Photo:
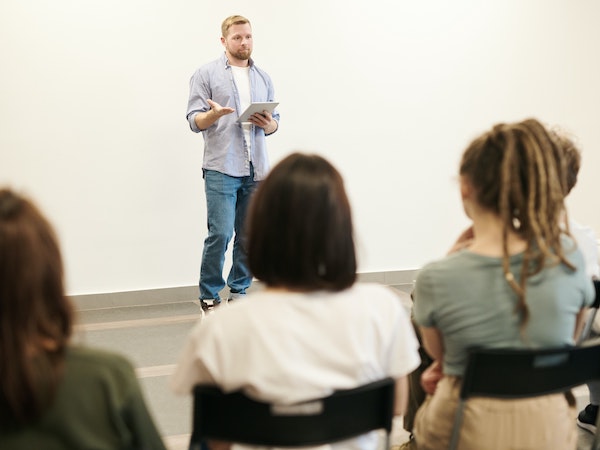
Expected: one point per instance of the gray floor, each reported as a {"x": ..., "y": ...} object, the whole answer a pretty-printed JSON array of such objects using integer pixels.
[{"x": 152, "y": 336}]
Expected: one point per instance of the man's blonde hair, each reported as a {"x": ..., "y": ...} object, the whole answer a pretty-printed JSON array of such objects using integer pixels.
[{"x": 232, "y": 20}]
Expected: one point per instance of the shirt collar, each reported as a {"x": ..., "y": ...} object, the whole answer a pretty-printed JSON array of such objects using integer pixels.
[{"x": 226, "y": 61}]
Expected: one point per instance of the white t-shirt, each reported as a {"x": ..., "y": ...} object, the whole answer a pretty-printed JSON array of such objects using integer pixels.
[
  {"x": 284, "y": 347},
  {"x": 241, "y": 76},
  {"x": 588, "y": 244}
]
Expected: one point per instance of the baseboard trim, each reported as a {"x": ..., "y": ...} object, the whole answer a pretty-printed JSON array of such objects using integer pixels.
[
  {"x": 135, "y": 298},
  {"x": 189, "y": 293}
]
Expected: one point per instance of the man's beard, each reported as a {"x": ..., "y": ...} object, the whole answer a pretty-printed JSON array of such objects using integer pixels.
[{"x": 242, "y": 54}]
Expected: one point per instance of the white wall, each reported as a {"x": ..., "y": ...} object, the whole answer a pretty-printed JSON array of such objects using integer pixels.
[{"x": 93, "y": 96}]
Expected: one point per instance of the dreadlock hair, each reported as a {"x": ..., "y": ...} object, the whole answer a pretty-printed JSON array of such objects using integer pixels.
[
  {"x": 571, "y": 155},
  {"x": 518, "y": 172}
]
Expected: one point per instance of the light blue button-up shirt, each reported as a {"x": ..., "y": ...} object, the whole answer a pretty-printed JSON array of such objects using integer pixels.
[{"x": 225, "y": 148}]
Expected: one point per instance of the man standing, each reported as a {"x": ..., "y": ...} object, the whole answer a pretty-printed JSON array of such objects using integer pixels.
[{"x": 235, "y": 154}]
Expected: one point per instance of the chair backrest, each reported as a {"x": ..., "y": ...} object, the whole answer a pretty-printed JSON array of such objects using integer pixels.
[
  {"x": 520, "y": 373},
  {"x": 345, "y": 414}
]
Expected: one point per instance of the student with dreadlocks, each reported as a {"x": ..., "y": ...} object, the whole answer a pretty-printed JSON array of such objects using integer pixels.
[{"x": 520, "y": 282}]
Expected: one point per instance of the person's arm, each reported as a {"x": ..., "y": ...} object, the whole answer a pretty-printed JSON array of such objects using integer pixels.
[
  {"x": 431, "y": 376},
  {"x": 264, "y": 121},
  {"x": 433, "y": 342},
  {"x": 191, "y": 369},
  {"x": 401, "y": 402},
  {"x": 204, "y": 120},
  {"x": 267, "y": 121},
  {"x": 580, "y": 320},
  {"x": 434, "y": 345}
]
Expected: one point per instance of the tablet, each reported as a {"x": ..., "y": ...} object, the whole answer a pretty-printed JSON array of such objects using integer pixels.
[{"x": 257, "y": 108}]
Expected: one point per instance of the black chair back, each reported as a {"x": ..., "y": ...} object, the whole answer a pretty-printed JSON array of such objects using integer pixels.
[
  {"x": 519, "y": 373},
  {"x": 522, "y": 373},
  {"x": 345, "y": 414}
]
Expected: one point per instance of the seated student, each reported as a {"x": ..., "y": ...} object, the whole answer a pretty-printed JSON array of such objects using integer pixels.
[
  {"x": 587, "y": 242},
  {"x": 520, "y": 282},
  {"x": 312, "y": 330},
  {"x": 585, "y": 236},
  {"x": 54, "y": 395}
]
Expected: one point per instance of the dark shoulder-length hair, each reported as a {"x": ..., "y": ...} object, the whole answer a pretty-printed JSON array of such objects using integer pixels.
[
  {"x": 35, "y": 316},
  {"x": 299, "y": 228}
]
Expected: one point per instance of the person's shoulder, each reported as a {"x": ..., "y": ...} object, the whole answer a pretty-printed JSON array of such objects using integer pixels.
[
  {"x": 584, "y": 236},
  {"x": 449, "y": 267},
  {"x": 378, "y": 292},
  {"x": 381, "y": 303},
  {"x": 93, "y": 370},
  {"x": 99, "y": 360},
  {"x": 210, "y": 65},
  {"x": 256, "y": 67},
  {"x": 572, "y": 246},
  {"x": 454, "y": 261},
  {"x": 578, "y": 227},
  {"x": 370, "y": 287}
]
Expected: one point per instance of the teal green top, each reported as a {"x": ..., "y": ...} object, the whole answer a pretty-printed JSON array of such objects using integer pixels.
[
  {"x": 467, "y": 298},
  {"x": 99, "y": 406}
]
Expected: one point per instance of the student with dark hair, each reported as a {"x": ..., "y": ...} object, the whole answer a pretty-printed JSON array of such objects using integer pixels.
[
  {"x": 519, "y": 282},
  {"x": 312, "y": 330},
  {"x": 55, "y": 395}
]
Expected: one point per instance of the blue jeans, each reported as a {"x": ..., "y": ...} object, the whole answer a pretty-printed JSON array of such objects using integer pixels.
[{"x": 227, "y": 200}]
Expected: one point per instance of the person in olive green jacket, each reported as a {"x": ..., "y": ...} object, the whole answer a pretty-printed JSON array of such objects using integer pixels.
[{"x": 55, "y": 395}]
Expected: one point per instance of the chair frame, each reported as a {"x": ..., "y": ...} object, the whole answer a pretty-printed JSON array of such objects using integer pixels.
[
  {"x": 234, "y": 417},
  {"x": 525, "y": 373}
]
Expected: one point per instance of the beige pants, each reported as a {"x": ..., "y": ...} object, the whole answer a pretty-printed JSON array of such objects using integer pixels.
[{"x": 541, "y": 423}]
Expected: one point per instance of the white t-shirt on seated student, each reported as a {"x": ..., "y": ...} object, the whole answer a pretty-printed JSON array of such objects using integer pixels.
[
  {"x": 284, "y": 347},
  {"x": 588, "y": 244}
]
